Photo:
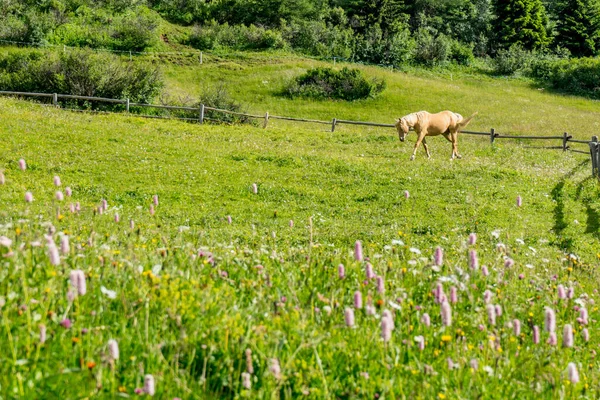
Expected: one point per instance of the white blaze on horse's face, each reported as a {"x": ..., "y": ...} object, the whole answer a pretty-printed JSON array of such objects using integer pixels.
[{"x": 402, "y": 128}]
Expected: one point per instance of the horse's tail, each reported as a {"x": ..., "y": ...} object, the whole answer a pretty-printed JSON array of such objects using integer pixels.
[{"x": 463, "y": 124}]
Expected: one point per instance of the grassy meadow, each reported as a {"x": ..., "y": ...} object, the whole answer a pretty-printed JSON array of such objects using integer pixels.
[{"x": 223, "y": 291}]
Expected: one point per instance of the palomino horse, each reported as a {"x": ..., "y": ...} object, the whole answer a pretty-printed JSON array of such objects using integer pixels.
[{"x": 446, "y": 123}]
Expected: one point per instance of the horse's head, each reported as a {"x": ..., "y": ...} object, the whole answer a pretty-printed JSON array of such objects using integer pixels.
[{"x": 402, "y": 127}]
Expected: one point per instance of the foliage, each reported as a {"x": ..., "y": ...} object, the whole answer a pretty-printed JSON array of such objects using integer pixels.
[
  {"x": 319, "y": 38},
  {"x": 326, "y": 83},
  {"x": 522, "y": 23},
  {"x": 578, "y": 28},
  {"x": 237, "y": 37},
  {"x": 392, "y": 49},
  {"x": 431, "y": 49},
  {"x": 218, "y": 97},
  {"x": 80, "y": 72},
  {"x": 575, "y": 76},
  {"x": 186, "y": 294},
  {"x": 512, "y": 60}
]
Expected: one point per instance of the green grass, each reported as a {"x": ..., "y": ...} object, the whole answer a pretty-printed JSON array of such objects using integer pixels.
[{"x": 188, "y": 323}]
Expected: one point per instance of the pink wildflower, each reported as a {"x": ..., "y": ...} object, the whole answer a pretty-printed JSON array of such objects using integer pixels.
[
  {"x": 358, "y": 254},
  {"x": 56, "y": 180},
  {"x": 22, "y": 164},
  {"x": 113, "y": 349},
  {"x": 473, "y": 260},
  {"x": 516, "y": 327},
  {"x": 155, "y": 200},
  {"x": 438, "y": 257},
  {"x": 552, "y": 339},
  {"x": 573, "y": 373},
  {"x": 149, "y": 385},
  {"x": 491, "y": 312},
  {"x": 536, "y": 334},
  {"x": 519, "y": 201},
  {"x": 369, "y": 271},
  {"x": 341, "y": 271},
  {"x": 28, "y": 197},
  {"x": 53, "y": 254},
  {"x": 246, "y": 382},
  {"x": 64, "y": 245},
  {"x": 68, "y": 191},
  {"x": 358, "y": 300},
  {"x": 549, "y": 320},
  {"x": 472, "y": 239},
  {"x": 568, "y": 336},
  {"x": 59, "y": 195},
  {"x": 446, "y": 313},
  {"x": 349, "y": 317},
  {"x": 380, "y": 285},
  {"x": 386, "y": 329},
  {"x": 585, "y": 334},
  {"x": 426, "y": 320}
]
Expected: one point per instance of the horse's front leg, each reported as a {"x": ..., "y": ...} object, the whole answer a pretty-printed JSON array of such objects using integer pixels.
[
  {"x": 420, "y": 137},
  {"x": 426, "y": 148}
]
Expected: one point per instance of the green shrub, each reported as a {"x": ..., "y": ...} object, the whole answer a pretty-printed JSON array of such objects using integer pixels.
[
  {"x": 326, "y": 83},
  {"x": 431, "y": 50},
  {"x": 577, "y": 76},
  {"x": 461, "y": 53},
  {"x": 238, "y": 37},
  {"x": 515, "y": 59},
  {"x": 318, "y": 38},
  {"x": 134, "y": 31},
  {"x": 377, "y": 48},
  {"x": 80, "y": 72},
  {"x": 218, "y": 97}
]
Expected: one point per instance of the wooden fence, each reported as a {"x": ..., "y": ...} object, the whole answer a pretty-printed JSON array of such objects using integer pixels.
[{"x": 565, "y": 138}]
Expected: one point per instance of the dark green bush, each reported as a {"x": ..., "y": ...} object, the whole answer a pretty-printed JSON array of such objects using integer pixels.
[
  {"x": 576, "y": 76},
  {"x": 326, "y": 83},
  {"x": 515, "y": 59},
  {"x": 238, "y": 37},
  {"x": 318, "y": 38},
  {"x": 461, "y": 53},
  {"x": 218, "y": 97},
  {"x": 377, "y": 48},
  {"x": 79, "y": 72},
  {"x": 431, "y": 49}
]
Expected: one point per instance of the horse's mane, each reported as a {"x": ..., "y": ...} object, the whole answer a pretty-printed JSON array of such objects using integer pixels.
[{"x": 413, "y": 118}]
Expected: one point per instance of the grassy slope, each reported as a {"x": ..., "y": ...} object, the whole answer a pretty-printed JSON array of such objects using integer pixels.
[
  {"x": 510, "y": 106},
  {"x": 351, "y": 182}
]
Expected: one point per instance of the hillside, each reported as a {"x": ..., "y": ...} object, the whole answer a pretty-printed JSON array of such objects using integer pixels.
[{"x": 186, "y": 293}]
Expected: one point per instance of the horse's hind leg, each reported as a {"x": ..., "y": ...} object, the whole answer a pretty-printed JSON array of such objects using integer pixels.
[
  {"x": 426, "y": 148},
  {"x": 449, "y": 138},
  {"x": 455, "y": 145}
]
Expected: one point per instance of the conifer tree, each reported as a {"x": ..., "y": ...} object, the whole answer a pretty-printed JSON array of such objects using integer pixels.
[
  {"x": 520, "y": 22},
  {"x": 578, "y": 27}
]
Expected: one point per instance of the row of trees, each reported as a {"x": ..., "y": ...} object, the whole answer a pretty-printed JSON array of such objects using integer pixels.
[{"x": 486, "y": 26}]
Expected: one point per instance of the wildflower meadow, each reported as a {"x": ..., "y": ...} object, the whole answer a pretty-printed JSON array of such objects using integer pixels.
[{"x": 162, "y": 259}]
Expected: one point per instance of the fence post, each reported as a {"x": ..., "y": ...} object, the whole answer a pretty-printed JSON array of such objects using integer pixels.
[
  {"x": 201, "y": 116},
  {"x": 200, "y": 57},
  {"x": 566, "y": 138},
  {"x": 266, "y": 120},
  {"x": 129, "y": 55},
  {"x": 55, "y": 99},
  {"x": 127, "y": 104},
  {"x": 492, "y": 135},
  {"x": 594, "y": 154},
  {"x": 333, "y": 122}
]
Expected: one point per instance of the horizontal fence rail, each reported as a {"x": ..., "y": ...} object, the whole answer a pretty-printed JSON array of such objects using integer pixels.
[{"x": 594, "y": 145}]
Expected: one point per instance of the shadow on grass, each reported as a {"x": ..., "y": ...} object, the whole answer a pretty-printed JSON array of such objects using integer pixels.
[{"x": 560, "y": 224}]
